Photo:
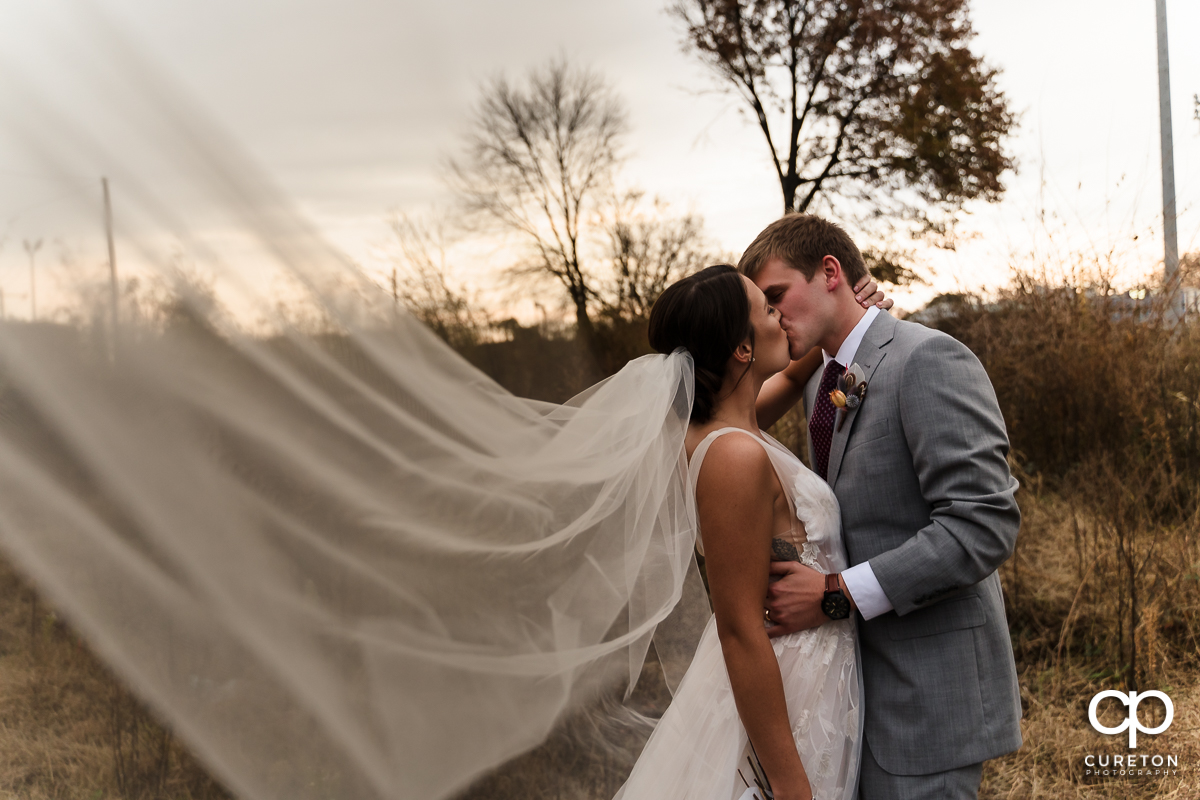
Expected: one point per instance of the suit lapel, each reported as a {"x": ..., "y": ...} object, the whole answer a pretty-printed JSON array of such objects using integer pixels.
[{"x": 868, "y": 356}]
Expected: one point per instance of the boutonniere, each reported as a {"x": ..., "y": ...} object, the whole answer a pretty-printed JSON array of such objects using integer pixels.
[{"x": 849, "y": 394}]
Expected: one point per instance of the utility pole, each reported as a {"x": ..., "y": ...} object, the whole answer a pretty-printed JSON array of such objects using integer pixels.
[
  {"x": 1170, "y": 236},
  {"x": 112, "y": 257},
  {"x": 31, "y": 247}
]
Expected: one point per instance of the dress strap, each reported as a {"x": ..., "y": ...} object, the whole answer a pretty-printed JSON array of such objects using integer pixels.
[{"x": 698, "y": 458}]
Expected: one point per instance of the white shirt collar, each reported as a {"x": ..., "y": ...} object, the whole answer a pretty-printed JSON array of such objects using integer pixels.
[{"x": 845, "y": 354}]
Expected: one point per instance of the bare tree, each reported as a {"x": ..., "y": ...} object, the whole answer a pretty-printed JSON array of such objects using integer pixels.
[
  {"x": 876, "y": 101},
  {"x": 541, "y": 156},
  {"x": 648, "y": 251},
  {"x": 420, "y": 283}
]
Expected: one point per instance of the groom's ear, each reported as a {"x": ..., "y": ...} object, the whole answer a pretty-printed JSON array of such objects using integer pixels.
[{"x": 831, "y": 270}]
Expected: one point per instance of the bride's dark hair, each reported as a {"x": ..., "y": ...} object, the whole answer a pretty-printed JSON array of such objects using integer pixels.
[{"x": 708, "y": 314}]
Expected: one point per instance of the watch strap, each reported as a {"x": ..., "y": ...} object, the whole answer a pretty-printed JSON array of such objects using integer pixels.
[{"x": 831, "y": 583}]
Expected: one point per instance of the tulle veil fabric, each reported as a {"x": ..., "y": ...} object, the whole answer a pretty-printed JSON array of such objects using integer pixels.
[{"x": 337, "y": 558}]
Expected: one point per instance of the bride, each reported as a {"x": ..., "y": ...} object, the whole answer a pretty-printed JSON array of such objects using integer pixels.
[{"x": 797, "y": 698}]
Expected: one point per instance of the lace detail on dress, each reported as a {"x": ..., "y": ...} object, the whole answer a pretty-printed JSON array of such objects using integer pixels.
[
  {"x": 825, "y": 766},
  {"x": 801, "y": 728}
]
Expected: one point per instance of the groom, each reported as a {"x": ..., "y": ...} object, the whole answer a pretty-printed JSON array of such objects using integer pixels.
[{"x": 928, "y": 515}]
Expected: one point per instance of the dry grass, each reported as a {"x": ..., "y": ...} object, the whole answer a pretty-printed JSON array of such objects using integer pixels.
[
  {"x": 1043, "y": 587},
  {"x": 1057, "y": 737},
  {"x": 68, "y": 731}
]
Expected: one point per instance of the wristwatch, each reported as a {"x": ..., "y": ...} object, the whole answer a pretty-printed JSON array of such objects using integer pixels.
[{"x": 835, "y": 603}]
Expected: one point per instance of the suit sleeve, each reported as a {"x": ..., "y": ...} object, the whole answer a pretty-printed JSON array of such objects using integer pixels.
[{"x": 959, "y": 445}]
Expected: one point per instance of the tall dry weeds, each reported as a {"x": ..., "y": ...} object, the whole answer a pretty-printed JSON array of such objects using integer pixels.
[{"x": 1101, "y": 395}]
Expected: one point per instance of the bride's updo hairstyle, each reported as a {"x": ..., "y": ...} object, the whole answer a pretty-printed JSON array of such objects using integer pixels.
[{"x": 708, "y": 314}]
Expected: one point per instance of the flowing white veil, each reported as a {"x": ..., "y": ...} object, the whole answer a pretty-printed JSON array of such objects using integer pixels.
[{"x": 335, "y": 557}]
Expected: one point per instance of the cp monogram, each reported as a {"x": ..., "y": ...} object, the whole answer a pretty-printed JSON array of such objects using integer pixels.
[{"x": 1133, "y": 723}]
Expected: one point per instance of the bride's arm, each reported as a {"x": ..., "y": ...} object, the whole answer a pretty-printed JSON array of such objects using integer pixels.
[{"x": 735, "y": 496}]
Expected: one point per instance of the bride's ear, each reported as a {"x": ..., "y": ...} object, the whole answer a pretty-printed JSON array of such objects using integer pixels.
[{"x": 744, "y": 352}]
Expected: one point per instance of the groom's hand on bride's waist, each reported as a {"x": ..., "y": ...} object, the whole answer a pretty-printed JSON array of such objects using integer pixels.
[{"x": 794, "y": 598}]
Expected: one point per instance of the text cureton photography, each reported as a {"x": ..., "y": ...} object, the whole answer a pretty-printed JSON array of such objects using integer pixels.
[{"x": 1118, "y": 765}]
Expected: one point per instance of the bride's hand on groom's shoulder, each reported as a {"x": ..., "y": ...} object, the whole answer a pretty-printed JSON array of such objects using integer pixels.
[{"x": 794, "y": 600}]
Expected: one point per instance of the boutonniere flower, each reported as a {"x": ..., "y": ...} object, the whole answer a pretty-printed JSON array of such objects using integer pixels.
[{"x": 850, "y": 391}]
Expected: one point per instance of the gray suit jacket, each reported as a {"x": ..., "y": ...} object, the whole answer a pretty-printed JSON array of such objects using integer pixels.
[{"x": 921, "y": 472}]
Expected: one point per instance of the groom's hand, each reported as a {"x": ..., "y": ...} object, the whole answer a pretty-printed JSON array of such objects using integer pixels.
[{"x": 794, "y": 601}]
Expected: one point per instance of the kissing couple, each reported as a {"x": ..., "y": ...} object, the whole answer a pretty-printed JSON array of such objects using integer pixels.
[
  {"x": 352, "y": 565},
  {"x": 881, "y": 667}
]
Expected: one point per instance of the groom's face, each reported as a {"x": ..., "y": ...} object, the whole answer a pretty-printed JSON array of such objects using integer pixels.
[{"x": 801, "y": 303}]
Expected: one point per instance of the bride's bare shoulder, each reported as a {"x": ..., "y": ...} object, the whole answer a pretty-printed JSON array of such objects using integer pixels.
[{"x": 736, "y": 464}]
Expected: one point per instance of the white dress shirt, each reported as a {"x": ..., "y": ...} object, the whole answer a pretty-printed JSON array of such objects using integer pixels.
[{"x": 860, "y": 579}]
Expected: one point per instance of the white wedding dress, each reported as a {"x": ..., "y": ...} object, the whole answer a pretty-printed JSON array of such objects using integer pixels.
[{"x": 699, "y": 747}]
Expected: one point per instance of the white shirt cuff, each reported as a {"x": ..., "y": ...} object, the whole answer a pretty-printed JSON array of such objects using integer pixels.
[{"x": 865, "y": 590}]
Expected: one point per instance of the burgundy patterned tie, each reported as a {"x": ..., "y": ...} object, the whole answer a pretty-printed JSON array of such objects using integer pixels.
[{"x": 820, "y": 425}]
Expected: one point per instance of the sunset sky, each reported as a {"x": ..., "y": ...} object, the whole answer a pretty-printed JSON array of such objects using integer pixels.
[{"x": 354, "y": 107}]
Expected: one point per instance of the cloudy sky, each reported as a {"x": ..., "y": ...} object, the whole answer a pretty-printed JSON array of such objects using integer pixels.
[{"x": 353, "y": 108}]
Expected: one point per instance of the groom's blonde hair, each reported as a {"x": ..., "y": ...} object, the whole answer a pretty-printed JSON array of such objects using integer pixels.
[{"x": 802, "y": 240}]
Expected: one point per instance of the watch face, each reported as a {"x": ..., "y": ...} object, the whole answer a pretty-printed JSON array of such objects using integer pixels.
[{"x": 835, "y": 605}]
